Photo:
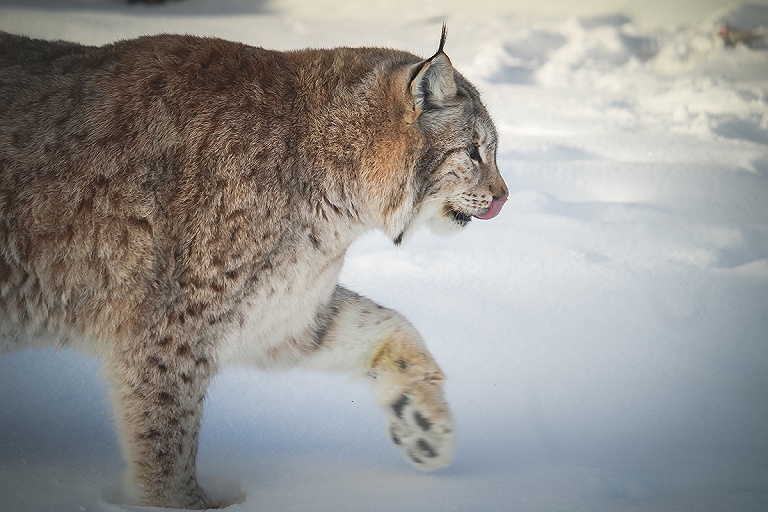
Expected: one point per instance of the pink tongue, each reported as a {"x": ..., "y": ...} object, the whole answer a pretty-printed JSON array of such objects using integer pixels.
[{"x": 494, "y": 210}]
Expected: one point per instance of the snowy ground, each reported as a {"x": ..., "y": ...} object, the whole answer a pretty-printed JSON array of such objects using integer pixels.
[{"x": 606, "y": 338}]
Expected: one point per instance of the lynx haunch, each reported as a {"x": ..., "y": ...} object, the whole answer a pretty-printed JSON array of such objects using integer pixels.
[{"x": 172, "y": 204}]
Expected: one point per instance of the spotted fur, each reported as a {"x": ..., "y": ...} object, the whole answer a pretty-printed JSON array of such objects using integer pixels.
[{"x": 172, "y": 204}]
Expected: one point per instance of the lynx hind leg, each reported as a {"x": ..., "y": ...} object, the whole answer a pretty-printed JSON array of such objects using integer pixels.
[
  {"x": 409, "y": 386},
  {"x": 158, "y": 400}
]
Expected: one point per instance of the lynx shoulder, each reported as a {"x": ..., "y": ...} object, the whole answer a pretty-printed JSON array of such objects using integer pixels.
[{"x": 172, "y": 204}]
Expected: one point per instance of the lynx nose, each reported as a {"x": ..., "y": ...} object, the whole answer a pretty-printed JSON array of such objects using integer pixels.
[{"x": 499, "y": 189}]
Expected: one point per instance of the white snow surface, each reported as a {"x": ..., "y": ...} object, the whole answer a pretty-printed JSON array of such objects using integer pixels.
[{"x": 605, "y": 338}]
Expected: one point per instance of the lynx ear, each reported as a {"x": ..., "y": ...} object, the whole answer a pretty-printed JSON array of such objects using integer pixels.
[{"x": 433, "y": 80}]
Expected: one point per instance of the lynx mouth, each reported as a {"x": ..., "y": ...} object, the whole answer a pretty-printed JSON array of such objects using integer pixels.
[
  {"x": 463, "y": 219},
  {"x": 493, "y": 209}
]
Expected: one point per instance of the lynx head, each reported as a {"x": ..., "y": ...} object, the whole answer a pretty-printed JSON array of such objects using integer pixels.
[{"x": 455, "y": 177}]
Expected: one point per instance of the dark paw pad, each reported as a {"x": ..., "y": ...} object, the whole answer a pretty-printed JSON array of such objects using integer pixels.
[{"x": 426, "y": 442}]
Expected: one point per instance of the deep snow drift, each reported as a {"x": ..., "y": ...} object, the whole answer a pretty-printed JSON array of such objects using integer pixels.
[{"x": 605, "y": 338}]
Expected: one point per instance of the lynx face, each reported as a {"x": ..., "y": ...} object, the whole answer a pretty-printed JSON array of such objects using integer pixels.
[
  {"x": 457, "y": 172},
  {"x": 466, "y": 182}
]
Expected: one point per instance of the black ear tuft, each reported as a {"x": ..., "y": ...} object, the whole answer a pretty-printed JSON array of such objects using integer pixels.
[
  {"x": 433, "y": 80},
  {"x": 442, "y": 39}
]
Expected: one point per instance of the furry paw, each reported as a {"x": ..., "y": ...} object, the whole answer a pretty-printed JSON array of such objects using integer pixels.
[
  {"x": 200, "y": 501},
  {"x": 129, "y": 493},
  {"x": 408, "y": 384},
  {"x": 424, "y": 437},
  {"x": 192, "y": 499}
]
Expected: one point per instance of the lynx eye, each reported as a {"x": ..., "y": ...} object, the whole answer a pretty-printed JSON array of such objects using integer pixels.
[{"x": 474, "y": 154}]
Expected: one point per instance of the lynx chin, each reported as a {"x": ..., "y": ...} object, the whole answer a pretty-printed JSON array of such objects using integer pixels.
[{"x": 173, "y": 204}]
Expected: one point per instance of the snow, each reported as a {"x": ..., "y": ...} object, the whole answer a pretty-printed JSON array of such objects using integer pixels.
[{"x": 605, "y": 337}]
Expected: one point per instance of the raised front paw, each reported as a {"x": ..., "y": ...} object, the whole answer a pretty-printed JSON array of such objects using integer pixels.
[
  {"x": 424, "y": 437},
  {"x": 409, "y": 386}
]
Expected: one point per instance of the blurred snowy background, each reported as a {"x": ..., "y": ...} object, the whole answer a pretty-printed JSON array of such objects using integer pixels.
[{"x": 605, "y": 338}]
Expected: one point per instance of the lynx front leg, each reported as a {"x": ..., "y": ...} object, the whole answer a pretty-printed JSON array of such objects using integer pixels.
[
  {"x": 409, "y": 385},
  {"x": 158, "y": 398},
  {"x": 360, "y": 336}
]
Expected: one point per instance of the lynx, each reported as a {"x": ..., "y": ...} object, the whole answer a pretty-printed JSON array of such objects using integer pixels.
[{"x": 173, "y": 204}]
